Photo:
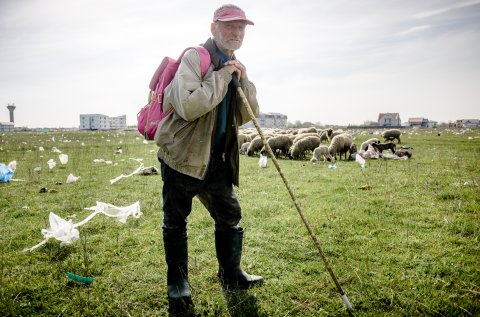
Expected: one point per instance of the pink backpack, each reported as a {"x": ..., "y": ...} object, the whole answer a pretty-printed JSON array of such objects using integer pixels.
[{"x": 151, "y": 114}]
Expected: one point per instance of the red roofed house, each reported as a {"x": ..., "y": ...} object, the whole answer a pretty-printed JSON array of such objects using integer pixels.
[{"x": 389, "y": 119}]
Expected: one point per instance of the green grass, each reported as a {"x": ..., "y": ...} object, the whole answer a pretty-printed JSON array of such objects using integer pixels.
[{"x": 407, "y": 247}]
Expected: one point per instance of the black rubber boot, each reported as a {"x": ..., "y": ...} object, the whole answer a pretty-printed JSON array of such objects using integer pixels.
[
  {"x": 176, "y": 255},
  {"x": 228, "y": 243}
]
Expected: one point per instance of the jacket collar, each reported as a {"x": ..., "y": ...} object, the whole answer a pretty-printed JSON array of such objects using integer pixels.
[{"x": 212, "y": 50}]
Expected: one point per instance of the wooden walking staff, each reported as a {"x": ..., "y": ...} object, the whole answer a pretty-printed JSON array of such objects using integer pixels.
[{"x": 292, "y": 195}]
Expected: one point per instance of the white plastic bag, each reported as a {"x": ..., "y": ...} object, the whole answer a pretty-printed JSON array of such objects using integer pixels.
[
  {"x": 71, "y": 178},
  {"x": 360, "y": 161},
  {"x": 51, "y": 163},
  {"x": 263, "y": 161},
  {"x": 67, "y": 232},
  {"x": 63, "y": 158}
]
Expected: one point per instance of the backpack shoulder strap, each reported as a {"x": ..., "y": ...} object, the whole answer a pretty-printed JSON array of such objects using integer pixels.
[{"x": 204, "y": 58}]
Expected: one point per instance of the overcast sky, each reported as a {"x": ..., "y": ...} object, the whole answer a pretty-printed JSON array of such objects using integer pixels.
[{"x": 328, "y": 61}]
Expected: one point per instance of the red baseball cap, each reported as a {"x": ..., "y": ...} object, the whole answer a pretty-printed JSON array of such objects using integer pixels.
[{"x": 231, "y": 14}]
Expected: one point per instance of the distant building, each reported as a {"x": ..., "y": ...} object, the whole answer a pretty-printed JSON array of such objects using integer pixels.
[
  {"x": 270, "y": 120},
  {"x": 389, "y": 119},
  {"x": 6, "y": 126},
  {"x": 102, "y": 122},
  {"x": 421, "y": 123},
  {"x": 467, "y": 123}
]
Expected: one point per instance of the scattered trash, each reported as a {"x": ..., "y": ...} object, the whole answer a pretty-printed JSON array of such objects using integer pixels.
[
  {"x": 145, "y": 142},
  {"x": 152, "y": 170},
  {"x": 71, "y": 178},
  {"x": 122, "y": 213},
  {"x": 55, "y": 150},
  {"x": 332, "y": 167},
  {"x": 46, "y": 190},
  {"x": 118, "y": 150},
  {"x": 6, "y": 171},
  {"x": 41, "y": 149},
  {"x": 66, "y": 231},
  {"x": 263, "y": 161},
  {"x": 366, "y": 187},
  {"x": 37, "y": 169},
  {"x": 360, "y": 160},
  {"x": 80, "y": 279},
  {"x": 131, "y": 174},
  {"x": 51, "y": 163},
  {"x": 394, "y": 156},
  {"x": 63, "y": 158}
]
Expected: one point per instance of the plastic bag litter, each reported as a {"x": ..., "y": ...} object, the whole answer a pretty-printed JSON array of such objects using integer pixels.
[
  {"x": 263, "y": 161},
  {"x": 51, "y": 163},
  {"x": 123, "y": 175},
  {"x": 55, "y": 150},
  {"x": 360, "y": 161},
  {"x": 6, "y": 171},
  {"x": 122, "y": 213},
  {"x": 63, "y": 158},
  {"x": 66, "y": 232},
  {"x": 71, "y": 178},
  {"x": 332, "y": 167}
]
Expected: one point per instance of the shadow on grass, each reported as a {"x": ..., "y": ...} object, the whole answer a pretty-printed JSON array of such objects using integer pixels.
[{"x": 240, "y": 302}]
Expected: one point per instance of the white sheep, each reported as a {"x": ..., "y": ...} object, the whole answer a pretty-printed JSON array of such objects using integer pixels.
[
  {"x": 321, "y": 151},
  {"x": 340, "y": 144},
  {"x": 392, "y": 134},
  {"x": 244, "y": 148},
  {"x": 365, "y": 144},
  {"x": 303, "y": 135},
  {"x": 255, "y": 146},
  {"x": 299, "y": 148},
  {"x": 277, "y": 143},
  {"x": 331, "y": 134},
  {"x": 242, "y": 138}
]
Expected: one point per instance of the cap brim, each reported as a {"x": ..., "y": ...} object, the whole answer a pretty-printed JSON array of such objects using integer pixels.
[{"x": 236, "y": 19}]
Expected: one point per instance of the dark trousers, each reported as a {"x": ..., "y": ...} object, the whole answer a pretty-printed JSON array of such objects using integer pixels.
[{"x": 215, "y": 192}]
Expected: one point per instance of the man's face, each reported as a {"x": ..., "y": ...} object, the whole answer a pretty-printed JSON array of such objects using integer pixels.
[{"x": 229, "y": 35}]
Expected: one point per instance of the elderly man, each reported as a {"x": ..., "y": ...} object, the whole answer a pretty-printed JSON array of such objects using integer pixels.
[{"x": 198, "y": 152}]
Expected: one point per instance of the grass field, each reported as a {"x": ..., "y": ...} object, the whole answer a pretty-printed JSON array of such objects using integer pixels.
[{"x": 407, "y": 247}]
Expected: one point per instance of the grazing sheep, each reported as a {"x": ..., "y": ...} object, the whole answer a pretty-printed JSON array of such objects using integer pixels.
[
  {"x": 255, "y": 146},
  {"x": 299, "y": 148},
  {"x": 331, "y": 134},
  {"x": 340, "y": 144},
  {"x": 365, "y": 144},
  {"x": 279, "y": 143},
  {"x": 244, "y": 148},
  {"x": 379, "y": 147},
  {"x": 352, "y": 152},
  {"x": 323, "y": 136},
  {"x": 303, "y": 135},
  {"x": 321, "y": 151},
  {"x": 242, "y": 138},
  {"x": 307, "y": 130},
  {"x": 392, "y": 134}
]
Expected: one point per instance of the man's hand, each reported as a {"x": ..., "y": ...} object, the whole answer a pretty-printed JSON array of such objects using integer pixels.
[{"x": 235, "y": 66}]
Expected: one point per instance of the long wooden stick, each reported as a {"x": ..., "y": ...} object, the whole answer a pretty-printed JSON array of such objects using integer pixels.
[{"x": 292, "y": 195}]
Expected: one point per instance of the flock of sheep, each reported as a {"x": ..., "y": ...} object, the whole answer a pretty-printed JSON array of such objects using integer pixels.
[{"x": 297, "y": 143}]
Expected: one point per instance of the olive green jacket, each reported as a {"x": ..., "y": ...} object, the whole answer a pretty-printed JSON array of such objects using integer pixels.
[{"x": 185, "y": 136}]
